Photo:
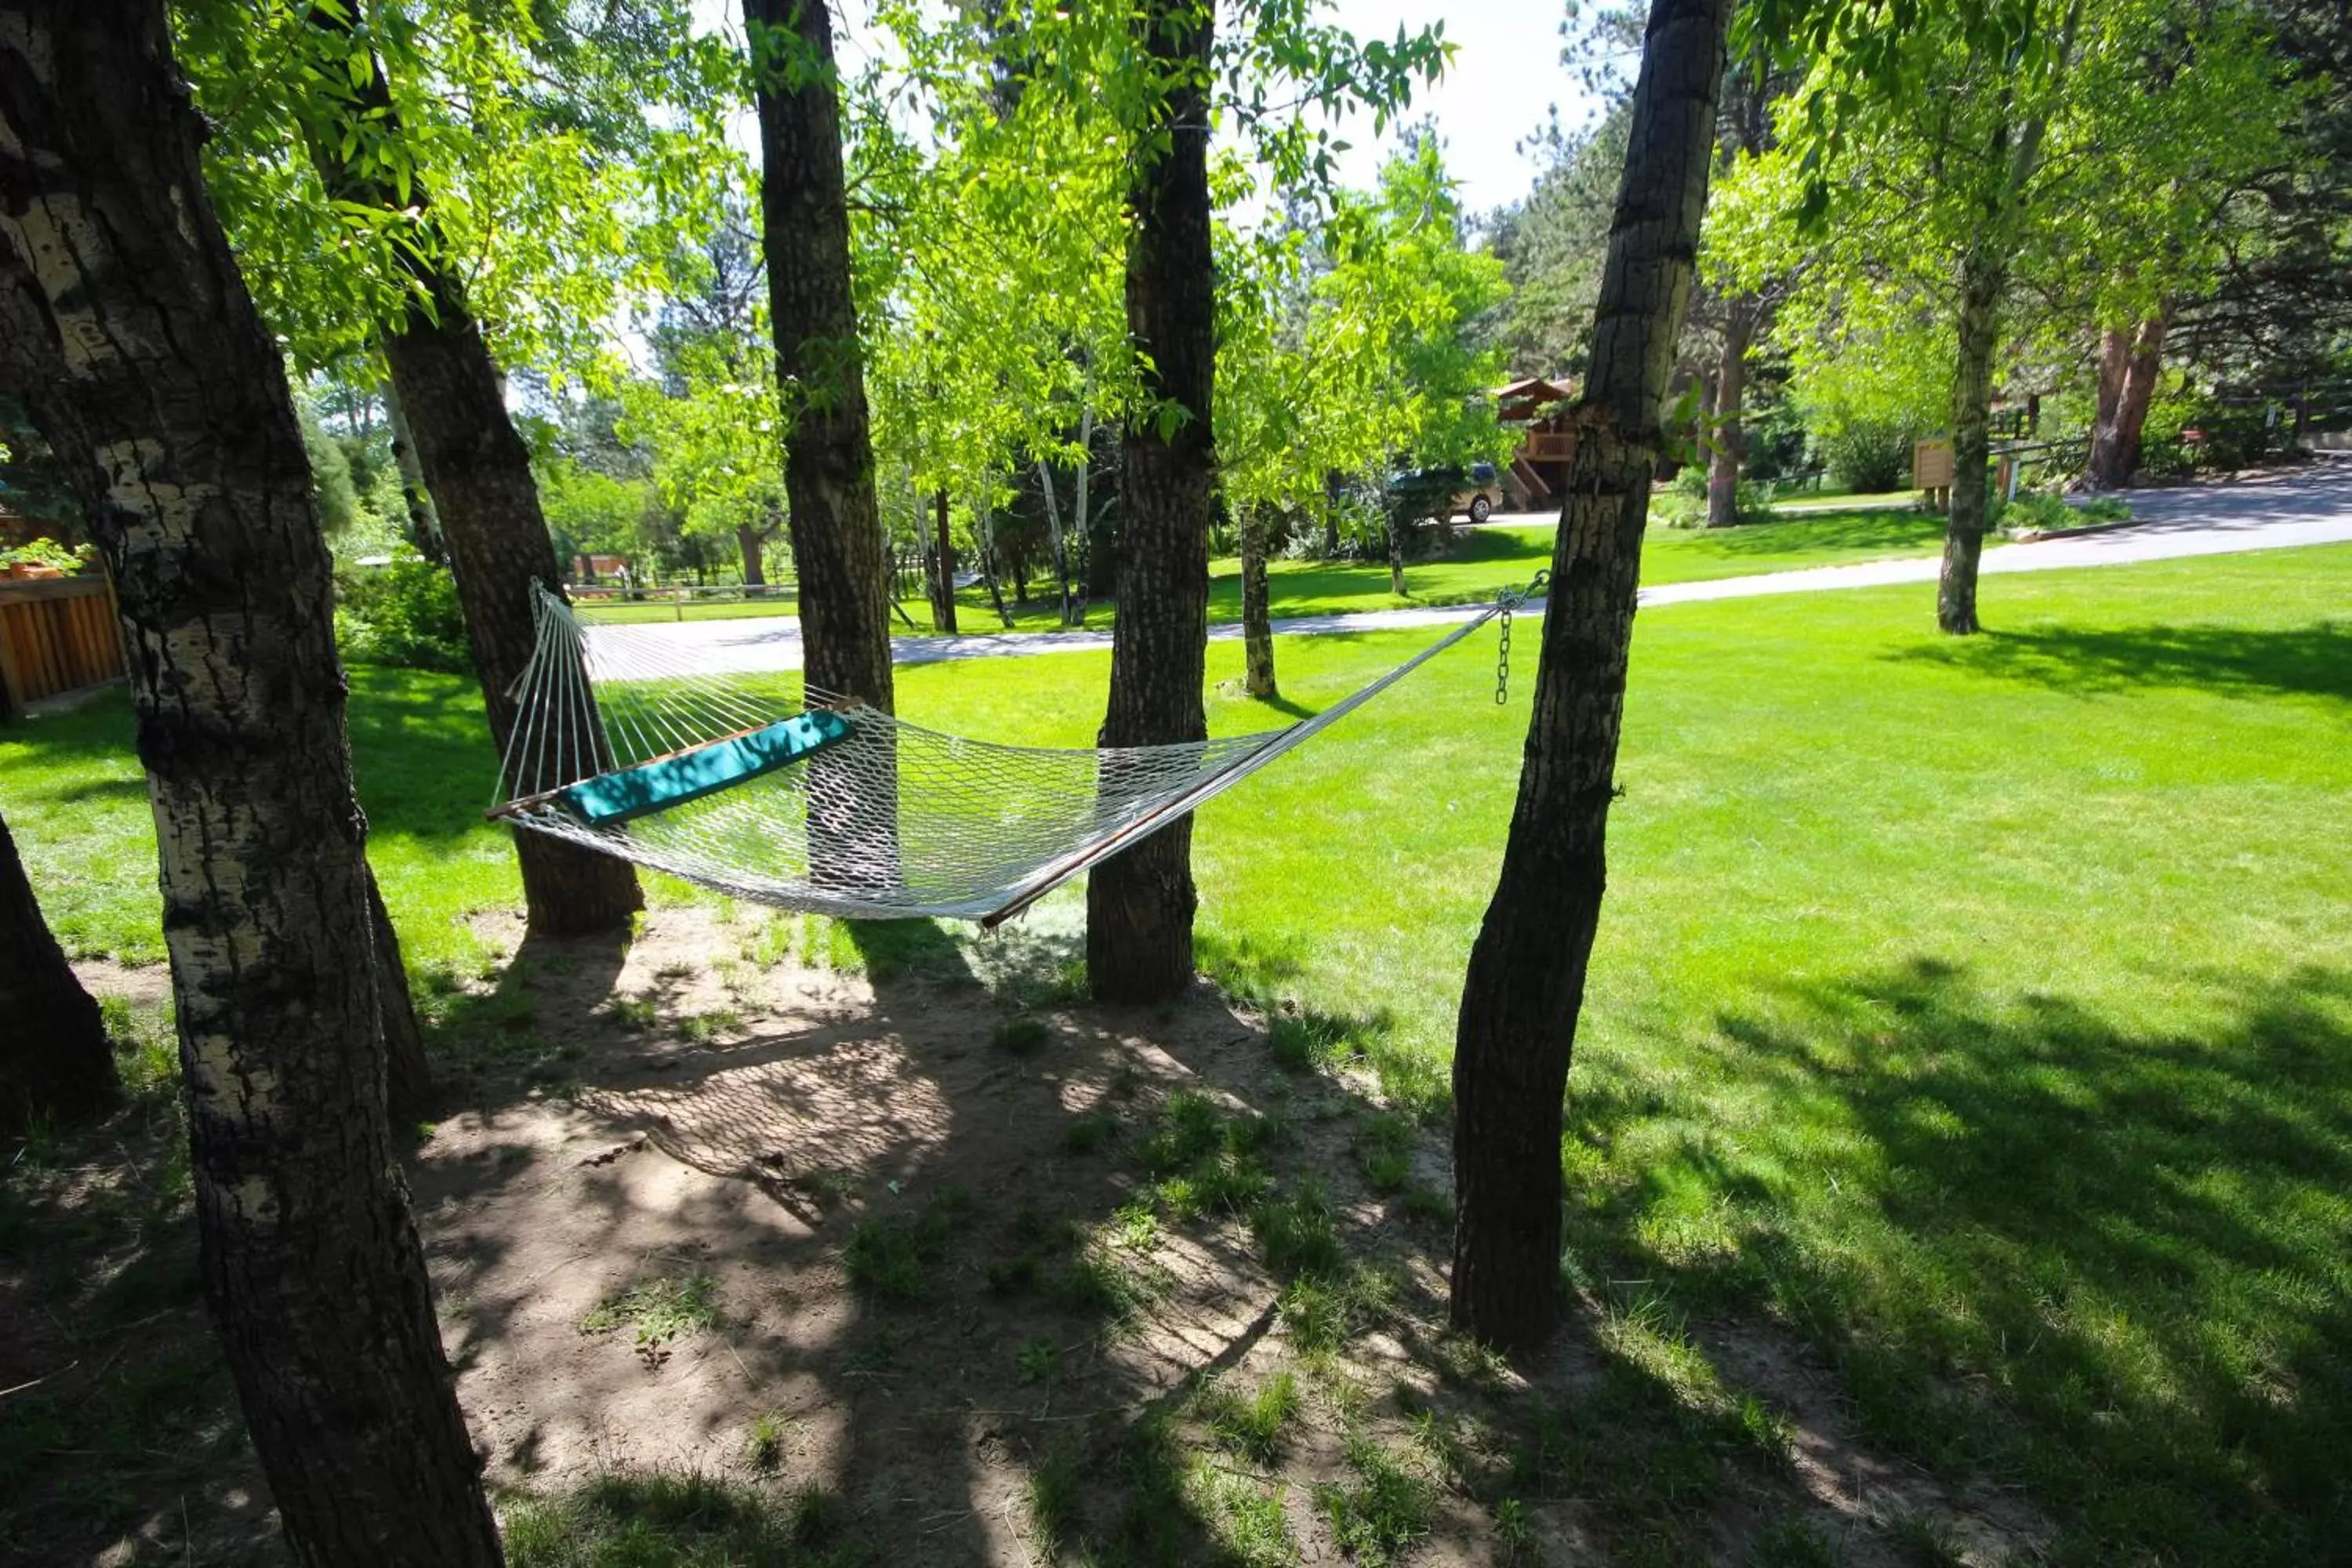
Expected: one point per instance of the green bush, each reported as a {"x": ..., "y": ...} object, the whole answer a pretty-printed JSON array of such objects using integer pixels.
[
  {"x": 404, "y": 613},
  {"x": 1868, "y": 456}
]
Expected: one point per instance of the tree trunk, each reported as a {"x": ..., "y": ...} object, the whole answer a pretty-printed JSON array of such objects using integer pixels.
[
  {"x": 1139, "y": 904},
  {"x": 1054, "y": 534},
  {"x": 2133, "y": 366},
  {"x": 1258, "y": 617},
  {"x": 845, "y": 592},
  {"x": 755, "y": 566},
  {"x": 55, "y": 1058},
  {"x": 1731, "y": 386},
  {"x": 478, "y": 471},
  {"x": 1983, "y": 275},
  {"x": 1526, "y": 983},
  {"x": 423, "y": 528},
  {"x": 836, "y": 528},
  {"x": 125, "y": 326},
  {"x": 1081, "y": 519},
  {"x": 408, "y": 1078},
  {"x": 943, "y": 600}
]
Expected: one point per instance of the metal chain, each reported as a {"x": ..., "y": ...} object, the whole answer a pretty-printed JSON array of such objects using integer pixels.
[{"x": 1508, "y": 600}]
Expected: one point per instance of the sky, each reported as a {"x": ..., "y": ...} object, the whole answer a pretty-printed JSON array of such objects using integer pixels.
[{"x": 1505, "y": 78}]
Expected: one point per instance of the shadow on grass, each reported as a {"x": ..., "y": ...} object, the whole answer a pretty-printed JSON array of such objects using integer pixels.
[
  {"x": 1888, "y": 529},
  {"x": 2108, "y": 1261},
  {"x": 2313, "y": 660}
]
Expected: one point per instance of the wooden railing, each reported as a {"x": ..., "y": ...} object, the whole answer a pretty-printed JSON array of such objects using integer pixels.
[
  {"x": 1549, "y": 446},
  {"x": 56, "y": 635}
]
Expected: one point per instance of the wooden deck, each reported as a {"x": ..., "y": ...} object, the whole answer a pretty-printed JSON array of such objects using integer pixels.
[{"x": 56, "y": 635}]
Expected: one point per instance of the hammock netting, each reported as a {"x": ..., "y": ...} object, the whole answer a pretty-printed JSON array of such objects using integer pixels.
[{"x": 634, "y": 742}]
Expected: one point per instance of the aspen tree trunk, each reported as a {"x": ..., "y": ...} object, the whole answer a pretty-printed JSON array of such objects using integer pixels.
[
  {"x": 1257, "y": 614},
  {"x": 1526, "y": 982},
  {"x": 484, "y": 497},
  {"x": 1054, "y": 534},
  {"x": 748, "y": 543},
  {"x": 124, "y": 325},
  {"x": 1730, "y": 386},
  {"x": 1983, "y": 275},
  {"x": 55, "y": 1058},
  {"x": 1141, "y": 903}
]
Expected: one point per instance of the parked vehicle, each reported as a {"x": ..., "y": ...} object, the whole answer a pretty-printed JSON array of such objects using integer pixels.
[{"x": 1440, "y": 494}]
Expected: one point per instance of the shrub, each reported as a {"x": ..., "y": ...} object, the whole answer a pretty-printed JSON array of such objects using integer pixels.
[
  {"x": 404, "y": 613},
  {"x": 1870, "y": 454}
]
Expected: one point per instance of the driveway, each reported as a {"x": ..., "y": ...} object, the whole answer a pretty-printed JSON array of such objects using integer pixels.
[{"x": 2277, "y": 511}]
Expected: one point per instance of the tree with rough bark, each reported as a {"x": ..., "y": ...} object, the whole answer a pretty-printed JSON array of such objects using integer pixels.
[
  {"x": 125, "y": 323},
  {"x": 1525, "y": 988},
  {"x": 55, "y": 1061}
]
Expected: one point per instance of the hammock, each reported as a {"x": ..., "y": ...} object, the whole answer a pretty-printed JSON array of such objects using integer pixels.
[{"x": 701, "y": 762}]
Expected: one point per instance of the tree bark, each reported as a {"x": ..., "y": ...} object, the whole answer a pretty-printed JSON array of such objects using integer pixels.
[
  {"x": 1257, "y": 615},
  {"x": 1139, "y": 904},
  {"x": 55, "y": 1058},
  {"x": 836, "y": 522},
  {"x": 408, "y": 1077},
  {"x": 1731, "y": 386},
  {"x": 943, "y": 563},
  {"x": 478, "y": 471},
  {"x": 1983, "y": 275},
  {"x": 125, "y": 326},
  {"x": 423, "y": 528},
  {"x": 1516, "y": 1031},
  {"x": 1054, "y": 536},
  {"x": 748, "y": 542},
  {"x": 2133, "y": 366}
]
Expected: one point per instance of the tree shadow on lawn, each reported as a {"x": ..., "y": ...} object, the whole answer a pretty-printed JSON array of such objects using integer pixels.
[
  {"x": 1885, "y": 528},
  {"x": 2107, "y": 1260},
  {"x": 2314, "y": 660}
]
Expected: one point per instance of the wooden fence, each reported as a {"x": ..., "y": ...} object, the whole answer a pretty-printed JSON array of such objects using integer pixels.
[{"x": 56, "y": 635}]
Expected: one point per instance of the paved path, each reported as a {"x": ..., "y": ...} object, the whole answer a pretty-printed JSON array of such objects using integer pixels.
[{"x": 2310, "y": 506}]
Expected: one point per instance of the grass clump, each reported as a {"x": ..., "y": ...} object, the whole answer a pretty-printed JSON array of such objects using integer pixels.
[
  {"x": 1089, "y": 1133},
  {"x": 1385, "y": 1146},
  {"x": 660, "y": 1310},
  {"x": 894, "y": 1257},
  {"x": 1790, "y": 1542},
  {"x": 1056, "y": 1496},
  {"x": 766, "y": 1446},
  {"x": 1387, "y": 1508},
  {"x": 644, "y": 1519},
  {"x": 1252, "y": 1425},
  {"x": 1020, "y": 1036},
  {"x": 1248, "y": 1521}
]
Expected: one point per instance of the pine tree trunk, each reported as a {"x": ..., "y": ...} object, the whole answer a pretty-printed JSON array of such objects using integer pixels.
[
  {"x": 1526, "y": 983},
  {"x": 55, "y": 1058},
  {"x": 836, "y": 522},
  {"x": 1139, "y": 904},
  {"x": 124, "y": 325},
  {"x": 423, "y": 528},
  {"x": 1731, "y": 386},
  {"x": 1257, "y": 612},
  {"x": 484, "y": 498},
  {"x": 1983, "y": 275}
]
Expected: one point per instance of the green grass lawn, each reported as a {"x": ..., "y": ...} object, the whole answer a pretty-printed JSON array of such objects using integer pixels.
[
  {"x": 1471, "y": 570},
  {"x": 1980, "y": 1011}
]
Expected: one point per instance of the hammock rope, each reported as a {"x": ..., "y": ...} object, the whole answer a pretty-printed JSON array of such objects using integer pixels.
[{"x": 629, "y": 743}]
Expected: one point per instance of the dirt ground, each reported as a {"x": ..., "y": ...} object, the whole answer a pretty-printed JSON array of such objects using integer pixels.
[{"x": 711, "y": 1201}]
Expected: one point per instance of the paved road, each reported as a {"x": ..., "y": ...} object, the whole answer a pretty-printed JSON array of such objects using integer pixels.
[{"x": 2310, "y": 506}]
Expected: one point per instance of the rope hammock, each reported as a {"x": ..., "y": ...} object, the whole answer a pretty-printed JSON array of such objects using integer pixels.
[{"x": 630, "y": 744}]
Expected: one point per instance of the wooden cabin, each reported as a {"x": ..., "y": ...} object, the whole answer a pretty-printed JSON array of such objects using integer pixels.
[{"x": 1538, "y": 473}]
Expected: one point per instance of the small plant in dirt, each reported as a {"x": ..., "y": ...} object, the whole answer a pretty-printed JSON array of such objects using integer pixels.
[
  {"x": 1137, "y": 1227},
  {"x": 1425, "y": 1205},
  {"x": 1056, "y": 1496},
  {"x": 1250, "y": 1525},
  {"x": 673, "y": 972},
  {"x": 1790, "y": 1542},
  {"x": 661, "y": 1311},
  {"x": 1089, "y": 1133},
  {"x": 1385, "y": 1509},
  {"x": 1386, "y": 1149},
  {"x": 1297, "y": 1234},
  {"x": 767, "y": 1443},
  {"x": 1253, "y": 1424},
  {"x": 894, "y": 1257},
  {"x": 1035, "y": 1360},
  {"x": 632, "y": 1012},
  {"x": 1515, "y": 1538},
  {"x": 1020, "y": 1036},
  {"x": 682, "y": 1517},
  {"x": 702, "y": 1028},
  {"x": 1922, "y": 1541}
]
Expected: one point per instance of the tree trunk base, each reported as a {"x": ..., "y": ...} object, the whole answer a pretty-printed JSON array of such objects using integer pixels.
[
  {"x": 573, "y": 892},
  {"x": 1139, "y": 908},
  {"x": 1956, "y": 589}
]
